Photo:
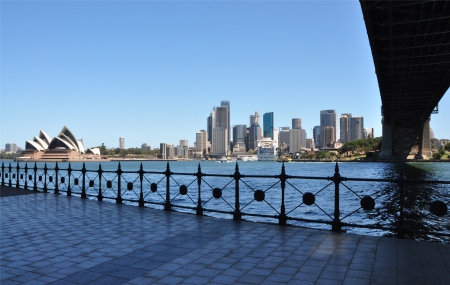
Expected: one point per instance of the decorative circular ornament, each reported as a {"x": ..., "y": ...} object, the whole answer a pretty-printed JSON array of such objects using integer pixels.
[
  {"x": 30, "y": 177},
  {"x": 130, "y": 186},
  {"x": 21, "y": 176},
  {"x": 91, "y": 183},
  {"x": 75, "y": 182},
  {"x": 367, "y": 203},
  {"x": 438, "y": 208},
  {"x": 50, "y": 179},
  {"x": 309, "y": 198},
  {"x": 63, "y": 179},
  {"x": 217, "y": 193},
  {"x": 183, "y": 190},
  {"x": 259, "y": 195},
  {"x": 108, "y": 184},
  {"x": 153, "y": 187}
]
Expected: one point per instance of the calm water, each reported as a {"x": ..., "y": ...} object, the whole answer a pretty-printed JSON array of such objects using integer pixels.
[{"x": 418, "y": 197}]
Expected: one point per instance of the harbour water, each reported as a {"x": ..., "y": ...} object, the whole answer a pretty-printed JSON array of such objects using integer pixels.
[{"x": 386, "y": 195}]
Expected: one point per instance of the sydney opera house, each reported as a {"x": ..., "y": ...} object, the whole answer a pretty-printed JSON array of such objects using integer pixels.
[{"x": 63, "y": 147}]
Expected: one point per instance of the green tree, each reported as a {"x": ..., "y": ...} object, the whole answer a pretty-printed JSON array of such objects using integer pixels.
[{"x": 447, "y": 146}]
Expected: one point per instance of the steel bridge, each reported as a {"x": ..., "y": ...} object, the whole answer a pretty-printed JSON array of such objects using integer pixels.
[{"x": 410, "y": 43}]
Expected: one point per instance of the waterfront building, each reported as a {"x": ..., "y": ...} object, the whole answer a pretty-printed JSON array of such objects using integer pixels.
[
  {"x": 122, "y": 143},
  {"x": 297, "y": 140},
  {"x": 283, "y": 139},
  {"x": 63, "y": 147},
  {"x": 225, "y": 103},
  {"x": 296, "y": 123},
  {"x": 316, "y": 136},
  {"x": 368, "y": 133},
  {"x": 254, "y": 119},
  {"x": 201, "y": 142},
  {"x": 170, "y": 151},
  {"x": 220, "y": 140},
  {"x": 239, "y": 138},
  {"x": 327, "y": 119},
  {"x": 310, "y": 144},
  {"x": 11, "y": 148},
  {"x": 209, "y": 127},
  {"x": 328, "y": 137},
  {"x": 254, "y": 135},
  {"x": 356, "y": 128},
  {"x": 345, "y": 132},
  {"x": 268, "y": 127},
  {"x": 163, "y": 150}
]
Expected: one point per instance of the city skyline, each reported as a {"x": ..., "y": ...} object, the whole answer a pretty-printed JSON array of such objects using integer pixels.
[{"x": 150, "y": 71}]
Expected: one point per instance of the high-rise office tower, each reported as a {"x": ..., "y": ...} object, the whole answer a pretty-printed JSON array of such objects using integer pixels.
[
  {"x": 122, "y": 143},
  {"x": 368, "y": 133},
  {"x": 283, "y": 138},
  {"x": 220, "y": 141},
  {"x": 209, "y": 127},
  {"x": 327, "y": 119},
  {"x": 239, "y": 138},
  {"x": 296, "y": 123},
  {"x": 328, "y": 136},
  {"x": 357, "y": 128},
  {"x": 254, "y": 135},
  {"x": 201, "y": 139},
  {"x": 345, "y": 135},
  {"x": 297, "y": 140},
  {"x": 316, "y": 136},
  {"x": 268, "y": 125},
  {"x": 227, "y": 104},
  {"x": 254, "y": 119},
  {"x": 163, "y": 150}
]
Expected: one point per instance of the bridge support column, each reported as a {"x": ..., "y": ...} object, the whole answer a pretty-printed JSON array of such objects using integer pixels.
[{"x": 386, "y": 145}]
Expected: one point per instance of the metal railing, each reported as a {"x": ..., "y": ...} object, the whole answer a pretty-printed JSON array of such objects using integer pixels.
[{"x": 394, "y": 206}]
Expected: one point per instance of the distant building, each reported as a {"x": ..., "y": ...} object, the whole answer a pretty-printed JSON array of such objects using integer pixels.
[
  {"x": 145, "y": 146},
  {"x": 201, "y": 142},
  {"x": 220, "y": 140},
  {"x": 239, "y": 138},
  {"x": 227, "y": 104},
  {"x": 296, "y": 123},
  {"x": 327, "y": 119},
  {"x": 297, "y": 140},
  {"x": 254, "y": 135},
  {"x": 283, "y": 138},
  {"x": 344, "y": 121},
  {"x": 309, "y": 144},
  {"x": 11, "y": 148},
  {"x": 268, "y": 126},
  {"x": 122, "y": 143},
  {"x": 357, "y": 128},
  {"x": 328, "y": 137},
  {"x": 368, "y": 133},
  {"x": 316, "y": 136}
]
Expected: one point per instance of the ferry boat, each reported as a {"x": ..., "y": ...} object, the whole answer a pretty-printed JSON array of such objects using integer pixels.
[{"x": 267, "y": 150}]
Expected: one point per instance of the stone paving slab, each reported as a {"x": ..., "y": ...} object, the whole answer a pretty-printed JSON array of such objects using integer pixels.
[{"x": 54, "y": 239}]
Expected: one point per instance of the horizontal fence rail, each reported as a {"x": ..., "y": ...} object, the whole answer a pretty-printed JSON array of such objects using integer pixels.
[{"x": 399, "y": 207}]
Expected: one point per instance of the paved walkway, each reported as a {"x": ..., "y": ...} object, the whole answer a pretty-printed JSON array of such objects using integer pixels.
[{"x": 51, "y": 239}]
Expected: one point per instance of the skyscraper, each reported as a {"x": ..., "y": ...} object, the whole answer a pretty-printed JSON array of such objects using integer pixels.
[
  {"x": 297, "y": 140},
  {"x": 345, "y": 135},
  {"x": 122, "y": 143},
  {"x": 296, "y": 123},
  {"x": 220, "y": 141},
  {"x": 239, "y": 138},
  {"x": 327, "y": 119},
  {"x": 268, "y": 125},
  {"x": 357, "y": 128},
  {"x": 201, "y": 139},
  {"x": 328, "y": 136},
  {"x": 316, "y": 136},
  {"x": 227, "y": 104}
]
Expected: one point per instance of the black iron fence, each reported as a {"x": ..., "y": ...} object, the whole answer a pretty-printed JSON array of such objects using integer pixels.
[{"x": 400, "y": 207}]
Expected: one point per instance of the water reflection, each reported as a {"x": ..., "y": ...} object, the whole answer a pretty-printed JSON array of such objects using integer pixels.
[{"x": 416, "y": 198}]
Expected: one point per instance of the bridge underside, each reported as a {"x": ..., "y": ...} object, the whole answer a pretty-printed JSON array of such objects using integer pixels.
[{"x": 410, "y": 43}]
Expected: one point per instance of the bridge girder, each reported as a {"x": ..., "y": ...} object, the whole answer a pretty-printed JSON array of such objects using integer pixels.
[{"x": 410, "y": 43}]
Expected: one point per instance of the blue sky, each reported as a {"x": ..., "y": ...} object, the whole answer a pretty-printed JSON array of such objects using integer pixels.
[{"x": 151, "y": 71}]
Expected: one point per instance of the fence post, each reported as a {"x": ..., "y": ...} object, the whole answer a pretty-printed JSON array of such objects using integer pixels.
[
  {"x": 141, "y": 195},
  {"x": 336, "y": 225},
  {"x": 17, "y": 175},
  {"x": 26, "y": 176},
  {"x": 237, "y": 215},
  {"x": 100, "y": 194},
  {"x": 199, "y": 210},
  {"x": 283, "y": 177},
  {"x": 9, "y": 175},
  {"x": 401, "y": 223},
  {"x": 35, "y": 177},
  {"x": 119, "y": 184},
  {"x": 3, "y": 174},
  {"x": 45, "y": 178},
  {"x": 69, "y": 189},
  {"x": 83, "y": 181},
  {"x": 167, "y": 205},
  {"x": 56, "y": 179}
]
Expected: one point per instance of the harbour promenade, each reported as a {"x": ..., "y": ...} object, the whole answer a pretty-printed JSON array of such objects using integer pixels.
[{"x": 55, "y": 239}]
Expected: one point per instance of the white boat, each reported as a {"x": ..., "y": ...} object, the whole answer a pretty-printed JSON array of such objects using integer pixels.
[
  {"x": 267, "y": 150},
  {"x": 247, "y": 157}
]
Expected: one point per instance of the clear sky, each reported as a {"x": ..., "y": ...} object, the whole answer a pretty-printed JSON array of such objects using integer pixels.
[{"x": 152, "y": 71}]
